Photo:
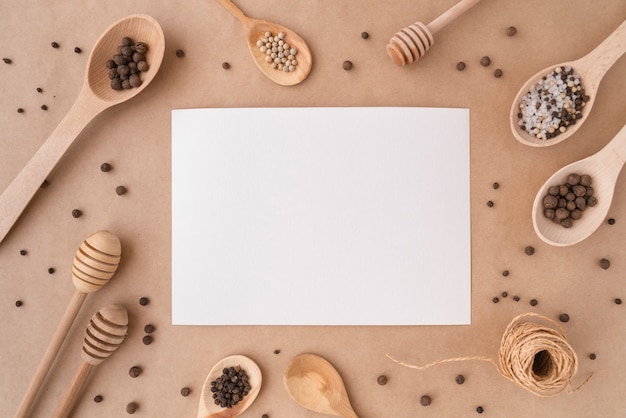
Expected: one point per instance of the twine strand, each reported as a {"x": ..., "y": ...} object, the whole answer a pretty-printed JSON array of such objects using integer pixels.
[{"x": 533, "y": 356}]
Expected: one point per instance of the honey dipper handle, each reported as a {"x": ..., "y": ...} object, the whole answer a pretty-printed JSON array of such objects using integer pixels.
[
  {"x": 71, "y": 396},
  {"x": 450, "y": 15},
  {"x": 51, "y": 352}
]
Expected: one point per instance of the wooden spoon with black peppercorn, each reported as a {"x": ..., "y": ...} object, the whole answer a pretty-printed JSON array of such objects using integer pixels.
[
  {"x": 96, "y": 96},
  {"x": 255, "y": 29},
  {"x": 103, "y": 336},
  {"x": 95, "y": 263},
  {"x": 604, "y": 168},
  {"x": 591, "y": 69},
  {"x": 209, "y": 409},
  {"x": 315, "y": 384}
]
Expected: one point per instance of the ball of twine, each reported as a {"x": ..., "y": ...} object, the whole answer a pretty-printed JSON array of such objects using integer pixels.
[{"x": 536, "y": 357}]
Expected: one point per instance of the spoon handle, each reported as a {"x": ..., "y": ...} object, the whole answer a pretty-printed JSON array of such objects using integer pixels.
[
  {"x": 19, "y": 192},
  {"x": 78, "y": 298},
  {"x": 235, "y": 11},
  {"x": 602, "y": 57},
  {"x": 613, "y": 155}
]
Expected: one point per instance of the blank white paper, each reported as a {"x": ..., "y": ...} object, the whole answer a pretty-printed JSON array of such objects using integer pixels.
[{"x": 321, "y": 216}]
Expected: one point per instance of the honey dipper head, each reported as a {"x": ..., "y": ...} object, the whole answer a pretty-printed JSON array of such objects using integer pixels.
[
  {"x": 104, "y": 334},
  {"x": 96, "y": 261}
]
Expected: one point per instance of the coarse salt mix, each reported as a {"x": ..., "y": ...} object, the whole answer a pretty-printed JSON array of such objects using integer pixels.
[{"x": 553, "y": 104}]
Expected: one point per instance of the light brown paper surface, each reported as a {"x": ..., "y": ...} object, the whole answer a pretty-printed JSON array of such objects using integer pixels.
[{"x": 135, "y": 139}]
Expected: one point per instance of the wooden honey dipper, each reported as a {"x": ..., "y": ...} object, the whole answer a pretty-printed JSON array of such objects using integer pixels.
[
  {"x": 412, "y": 42},
  {"x": 95, "y": 262},
  {"x": 103, "y": 335}
]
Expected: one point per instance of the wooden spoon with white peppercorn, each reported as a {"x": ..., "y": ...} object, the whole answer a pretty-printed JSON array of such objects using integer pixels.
[
  {"x": 255, "y": 30},
  {"x": 591, "y": 69},
  {"x": 604, "y": 168},
  {"x": 209, "y": 409},
  {"x": 103, "y": 336},
  {"x": 96, "y": 95},
  {"x": 95, "y": 263},
  {"x": 316, "y": 385}
]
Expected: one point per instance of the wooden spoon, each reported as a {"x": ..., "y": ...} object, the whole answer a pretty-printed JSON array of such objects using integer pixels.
[
  {"x": 96, "y": 95},
  {"x": 103, "y": 336},
  {"x": 255, "y": 29},
  {"x": 604, "y": 168},
  {"x": 591, "y": 69},
  {"x": 315, "y": 384},
  {"x": 95, "y": 262},
  {"x": 209, "y": 409},
  {"x": 411, "y": 43}
]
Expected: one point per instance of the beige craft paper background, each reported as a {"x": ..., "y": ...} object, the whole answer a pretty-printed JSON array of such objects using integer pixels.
[{"x": 135, "y": 139}]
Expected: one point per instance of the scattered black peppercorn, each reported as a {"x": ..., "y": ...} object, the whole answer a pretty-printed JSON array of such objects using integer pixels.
[
  {"x": 20, "y": 110},
  {"x": 516, "y": 298},
  {"x": 76, "y": 213},
  {"x": 564, "y": 317},
  {"x": 382, "y": 380},
  {"x": 277, "y": 351},
  {"x": 18, "y": 303},
  {"x": 365, "y": 35},
  {"x": 7, "y": 60},
  {"x": 185, "y": 391},
  {"x": 605, "y": 264},
  {"x": 120, "y": 190},
  {"x": 347, "y": 65},
  {"x": 497, "y": 73},
  {"x": 39, "y": 90},
  {"x": 529, "y": 250},
  {"x": 265, "y": 416},
  {"x": 98, "y": 398},
  {"x": 51, "y": 270},
  {"x": 45, "y": 184},
  {"x": 505, "y": 294},
  {"x": 533, "y": 302},
  {"x": 147, "y": 340},
  {"x": 23, "y": 252},
  {"x": 54, "y": 45},
  {"x": 592, "y": 356},
  {"x": 143, "y": 301},
  {"x": 105, "y": 167},
  {"x": 495, "y": 185},
  {"x": 495, "y": 300},
  {"x": 611, "y": 221},
  {"x": 78, "y": 50},
  {"x": 132, "y": 407},
  {"x": 490, "y": 203},
  {"x": 480, "y": 409},
  {"x": 485, "y": 61},
  {"x": 135, "y": 371},
  {"x": 618, "y": 301},
  {"x": 180, "y": 53},
  {"x": 425, "y": 400},
  {"x": 511, "y": 31},
  {"x": 148, "y": 329},
  {"x": 460, "y": 65},
  {"x": 505, "y": 273},
  {"x": 459, "y": 379},
  {"x": 225, "y": 65}
]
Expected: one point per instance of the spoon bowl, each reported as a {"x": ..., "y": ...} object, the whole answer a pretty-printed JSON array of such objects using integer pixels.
[
  {"x": 255, "y": 30},
  {"x": 604, "y": 168},
  {"x": 95, "y": 96},
  {"x": 208, "y": 408},
  {"x": 316, "y": 385},
  {"x": 591, "y": 68}
]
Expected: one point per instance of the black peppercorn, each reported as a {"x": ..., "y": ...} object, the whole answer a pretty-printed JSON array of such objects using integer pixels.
[
  {"x": 511, "y": 31},
  {"x": 225, "y": 65},
  {"x": 45, "y": 184},
  {"x": 147, "y": 340},
  {"x": 382, "y": 380},
  {"x": 485, "y": 61},
  {"x": 505, "y": 273},
  {"x": 495, "y": 300},
  {"x": 425, "y": 400},
  {"x": 533, "y": 302},
  {"x": 460, "y": 65},
  {"x": 265, "y": 416},
  {"x": 148, "y": 329},
  {"x": 7, "y": 60},
  {"x": 51, "y": 270},
  {"x": 495, "y": 185},
  {"x": 20, "y": 110},
  {"x": 277, "y": 351},
  {"x": 497, "y": 73},
  {"x": 44, "y": 107},
  {"x": 141, "y": 48},
  {"x": 23, "y": 252},
  {"x": 39, "y": 90},
  {"x": 605, "y": 264},
  {"x": 135, "y": 371},
  {"x": 529, "y": 250},
  {"x": 459, "y": 379},
  {"x": 18, "y": 303},
  {"x": 505, "y": 294},
  {"x": 105, "y": 167},
  {"x": 132, "y": 407},
  {"x": 365, "y": 35},
  {"x": 180, "y": 53},
  {"x": 592, "y": 356},
  {"x": 480, "y": 409},
  {"x": 490, "y": 203},
  {"x": 98, "y": 398},
  {"x": 54, "y": 45},
  {"x": 185, "y": 391},
  {"x": 516, "y": 298},
  {"x": 143, "y": 301},
  {"x": 347, "y": 65},
  {"x": 618, "y": 301},
  {"x": 120, "y": 190},
  {"x": 76, "y": 213},
  {"x": 564, "y": 317},
  {"x": 611, "y": 221},
  {"x": 78, "y": 50}
]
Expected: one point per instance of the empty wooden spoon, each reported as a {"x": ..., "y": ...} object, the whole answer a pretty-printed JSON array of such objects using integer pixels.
[
  {"x": 95, "y": 96},
  {"x": 591, "y": 69},
  {"x": 315, "y": 384},
  {"x": 604, "y": 168},
  {"x": 255, "y": 29},
  {"x": 209, "y": 409},
  {"x": 103, "y": 336},
  {"x": 95, "y": 262}
]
